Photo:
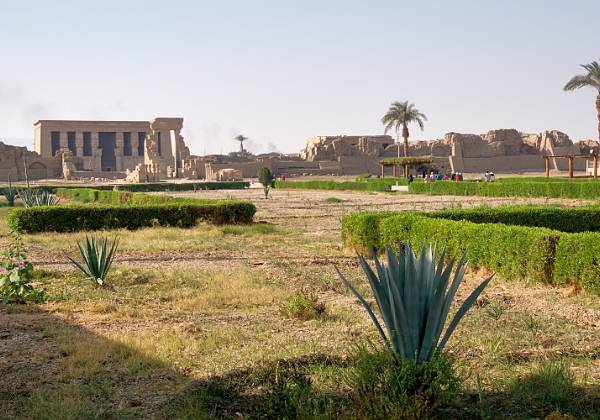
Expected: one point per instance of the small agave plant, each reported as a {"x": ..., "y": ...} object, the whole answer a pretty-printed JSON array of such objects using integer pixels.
[
  {"x": 10, "y": 194},
  {"x": 414, "y": 297},
  {"x": 98, "y": 256}
]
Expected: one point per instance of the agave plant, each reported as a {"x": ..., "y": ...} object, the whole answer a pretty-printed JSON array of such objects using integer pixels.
[
  {"x": 35, "y": 198},
  {"x": 98, "y": 256},
  {"x": 414, "y": 298},
  {"x": 10, "y": 194}
]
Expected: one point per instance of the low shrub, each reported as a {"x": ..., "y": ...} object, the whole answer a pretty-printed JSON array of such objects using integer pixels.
[
  {"x": 384, "y": 389},
  {"x": 372, "y": 184},
  {"x": 184, "y": 186},
  {"x": 86, "y": 217},
  {"x": 566, "y": 189},
  {"x": 15, "y": 282},
  {"x": 565, "y": 219},
  {"x": 303, "y": 307},
  {"x": 578, "y": 260}
]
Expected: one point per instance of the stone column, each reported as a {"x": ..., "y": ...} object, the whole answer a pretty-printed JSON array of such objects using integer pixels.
[
  {"x": 79, "y": 142},
  {"x": 119, "y": 151},
  {"x": 96, "y": 163},
  {"x": 63, "y": 139}
]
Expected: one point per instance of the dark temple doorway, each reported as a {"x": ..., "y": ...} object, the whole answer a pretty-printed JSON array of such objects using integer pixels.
[{"x": 107, "y": 142}]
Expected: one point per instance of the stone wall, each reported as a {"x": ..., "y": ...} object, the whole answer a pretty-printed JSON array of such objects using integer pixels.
[{"x": 14, "y": 159}]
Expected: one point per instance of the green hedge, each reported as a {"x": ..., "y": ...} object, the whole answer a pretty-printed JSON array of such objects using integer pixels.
[
  {"x": 81, "y": 217},
  {"x": 123, "y": 198},
  {"x": 119, "y": 209},
  {"x": 566, "y": 189},
  {"x": 370, "y": 184},
  {"x": 185, "y": 186},
  {"x": 565, "y": 219},
  {"x": 578, "y": 260},
  {"x": 513, "y": 251}
]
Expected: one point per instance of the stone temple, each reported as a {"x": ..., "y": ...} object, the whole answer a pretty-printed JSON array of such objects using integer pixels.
[{"x": 139, "y": 151}]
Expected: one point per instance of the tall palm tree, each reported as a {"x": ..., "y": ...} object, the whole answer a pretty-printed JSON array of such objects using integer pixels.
[
  {"x": 591, "y": 79},
  {"x": 241, "y": 138},
  {"x": 399, "y": 116}
]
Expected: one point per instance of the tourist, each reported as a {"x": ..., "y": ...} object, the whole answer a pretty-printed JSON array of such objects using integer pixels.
[{"x": 492, "y": 177}]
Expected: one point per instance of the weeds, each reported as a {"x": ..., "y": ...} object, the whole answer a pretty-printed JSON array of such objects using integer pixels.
[{"x": 303, "y": 307}]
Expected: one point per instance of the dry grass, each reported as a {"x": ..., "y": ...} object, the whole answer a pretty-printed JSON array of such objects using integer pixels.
[{"x": 194, "y": 320}]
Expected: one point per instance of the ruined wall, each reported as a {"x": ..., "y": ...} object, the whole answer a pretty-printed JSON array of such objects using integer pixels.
[{"x": 13, "y": 160}]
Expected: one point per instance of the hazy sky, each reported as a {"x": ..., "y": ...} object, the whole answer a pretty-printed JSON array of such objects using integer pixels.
[{"x": 280, "y": 71}]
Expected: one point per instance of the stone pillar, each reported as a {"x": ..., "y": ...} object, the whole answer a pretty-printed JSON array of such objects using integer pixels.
[
  {"x": 79, "y": 143},
  {"x": 119, "y": 151},
  {"x": 63, "y": 139},
  {"x": 96, "y": 163}
]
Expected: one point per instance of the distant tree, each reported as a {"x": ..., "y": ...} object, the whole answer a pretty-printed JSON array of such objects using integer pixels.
[
  {"x": 265, "y": 177},
  {"x": 399, "y": 115},
  {"x": 241, "y": 139},
  {"x": 591, "y": 79}
]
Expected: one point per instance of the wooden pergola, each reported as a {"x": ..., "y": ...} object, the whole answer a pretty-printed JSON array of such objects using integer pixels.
[
  {"x": 405, "y": 162},
  {"x": 570, "y": 160}
]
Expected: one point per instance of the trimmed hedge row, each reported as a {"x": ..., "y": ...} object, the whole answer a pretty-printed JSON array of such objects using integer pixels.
[
  {"x": 523, "y": 252},
  {"x": 148, "y": 187},
  {"x": 124, "y": 198},
  {"x": 370, "y": 184},
  {"x": 185, "y": 186},
  {"x": 567, "y": 189},
  {"x": 565, "y": 219},
  {"x": 118, "y": 209}
]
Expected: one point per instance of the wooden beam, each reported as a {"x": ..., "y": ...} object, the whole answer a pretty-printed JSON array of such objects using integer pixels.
[
  {"x": 595, "y": 166},
  {"x": 547, "y": 166},
  {"x": 570, "y": 166},
  {"x": 382, "y": 170},
  {"x": 395, "y": 170}
]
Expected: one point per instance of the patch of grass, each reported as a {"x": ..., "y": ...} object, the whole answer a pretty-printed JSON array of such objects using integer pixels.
[
  {"x": 550, "y": 385},
  {"x": 303, "y": 307},
  {"x": 334, "y": 200},
  {"x": 253, "y": 229}
]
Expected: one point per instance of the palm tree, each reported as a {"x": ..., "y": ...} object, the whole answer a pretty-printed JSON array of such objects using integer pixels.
[
  {"x": 241, "y": 139},
  {"x": 591, "y": 79},
  {"x": 399, "y": 115}
]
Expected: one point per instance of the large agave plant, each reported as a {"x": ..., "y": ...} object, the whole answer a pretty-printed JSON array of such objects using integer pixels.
[
  {"x": 34, "y": 198},
  {"x": 414, "y": 298},
  {"x": 98, "y": 256}
]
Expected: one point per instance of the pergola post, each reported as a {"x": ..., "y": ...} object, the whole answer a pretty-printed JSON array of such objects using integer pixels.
[
  {"x": 571, "y": 158},
  {"x": 595, "y": 166},
  {"x": 382, "y": 170},
  {"x": 395, "y": 170},
  {"x": 405, "y": 170},
  {"x": 547, "y": 166}
]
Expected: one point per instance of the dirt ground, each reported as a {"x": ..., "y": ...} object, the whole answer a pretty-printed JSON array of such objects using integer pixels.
[{"x": 192, "y": 304}]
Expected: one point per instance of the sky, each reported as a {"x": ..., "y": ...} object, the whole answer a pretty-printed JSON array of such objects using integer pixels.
[{"x": 281, "y": 71}]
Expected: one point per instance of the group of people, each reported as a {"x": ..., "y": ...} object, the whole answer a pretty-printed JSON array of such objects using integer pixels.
[
  {"x": 435, "y": 176},
  {"x": 489, "y": 176}
]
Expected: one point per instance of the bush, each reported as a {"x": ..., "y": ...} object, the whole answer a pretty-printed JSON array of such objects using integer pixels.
[
  {"x": 15, "y": 283},
  {"x": 303, "y": 307},
  {"x": 565, "y": 219},
  {"x": 96, "y": 217},
  {"x": 374, "y": 184},
  {"x": 578, "y": 260},
  {"x": 384, "y": 389},
  {"x": 185, "y": 186},
  {"x": 556, "y": 189}
]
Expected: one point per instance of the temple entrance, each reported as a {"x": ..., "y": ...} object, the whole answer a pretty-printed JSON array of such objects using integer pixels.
[{"x": 107, "y": 142}]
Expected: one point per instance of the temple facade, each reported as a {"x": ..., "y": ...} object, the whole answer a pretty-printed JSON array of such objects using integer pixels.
[{"x": 113, "y": 146}]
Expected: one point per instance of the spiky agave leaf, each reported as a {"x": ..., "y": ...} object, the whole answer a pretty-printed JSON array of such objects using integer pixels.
[
  {"x": 97, "y": 258},
  {"x": 414, "y": 296}
]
